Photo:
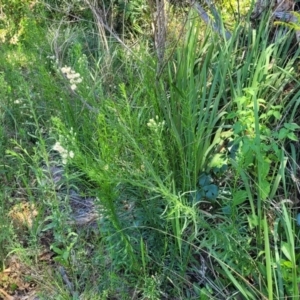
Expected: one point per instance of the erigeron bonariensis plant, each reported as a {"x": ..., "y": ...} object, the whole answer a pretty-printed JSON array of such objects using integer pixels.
[
  {"x": 64, "y": 153},
  {"x": 73, "y": 77}
]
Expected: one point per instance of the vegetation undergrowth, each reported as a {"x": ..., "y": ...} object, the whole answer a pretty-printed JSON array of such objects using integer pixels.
[{"x": 131, "y": 174}]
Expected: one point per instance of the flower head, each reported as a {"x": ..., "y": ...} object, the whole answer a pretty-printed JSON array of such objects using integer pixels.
[
  {"x": 64, "y": 153},
  {"x": 155, "y": 125},
  {"x": 73, "y": 77}
]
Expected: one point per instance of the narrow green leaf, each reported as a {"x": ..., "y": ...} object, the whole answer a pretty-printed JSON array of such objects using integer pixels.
[{"x": 268, "y": 259}]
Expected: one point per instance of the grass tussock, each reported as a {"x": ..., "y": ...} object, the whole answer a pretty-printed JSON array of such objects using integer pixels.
[{"x": 132, "y": 172}]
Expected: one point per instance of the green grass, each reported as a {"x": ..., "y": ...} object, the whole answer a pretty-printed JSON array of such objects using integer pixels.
[{"x": 189, "y": 168}]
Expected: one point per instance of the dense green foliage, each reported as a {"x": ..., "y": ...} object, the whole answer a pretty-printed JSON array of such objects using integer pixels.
[{"x": 190, "y": 161}]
